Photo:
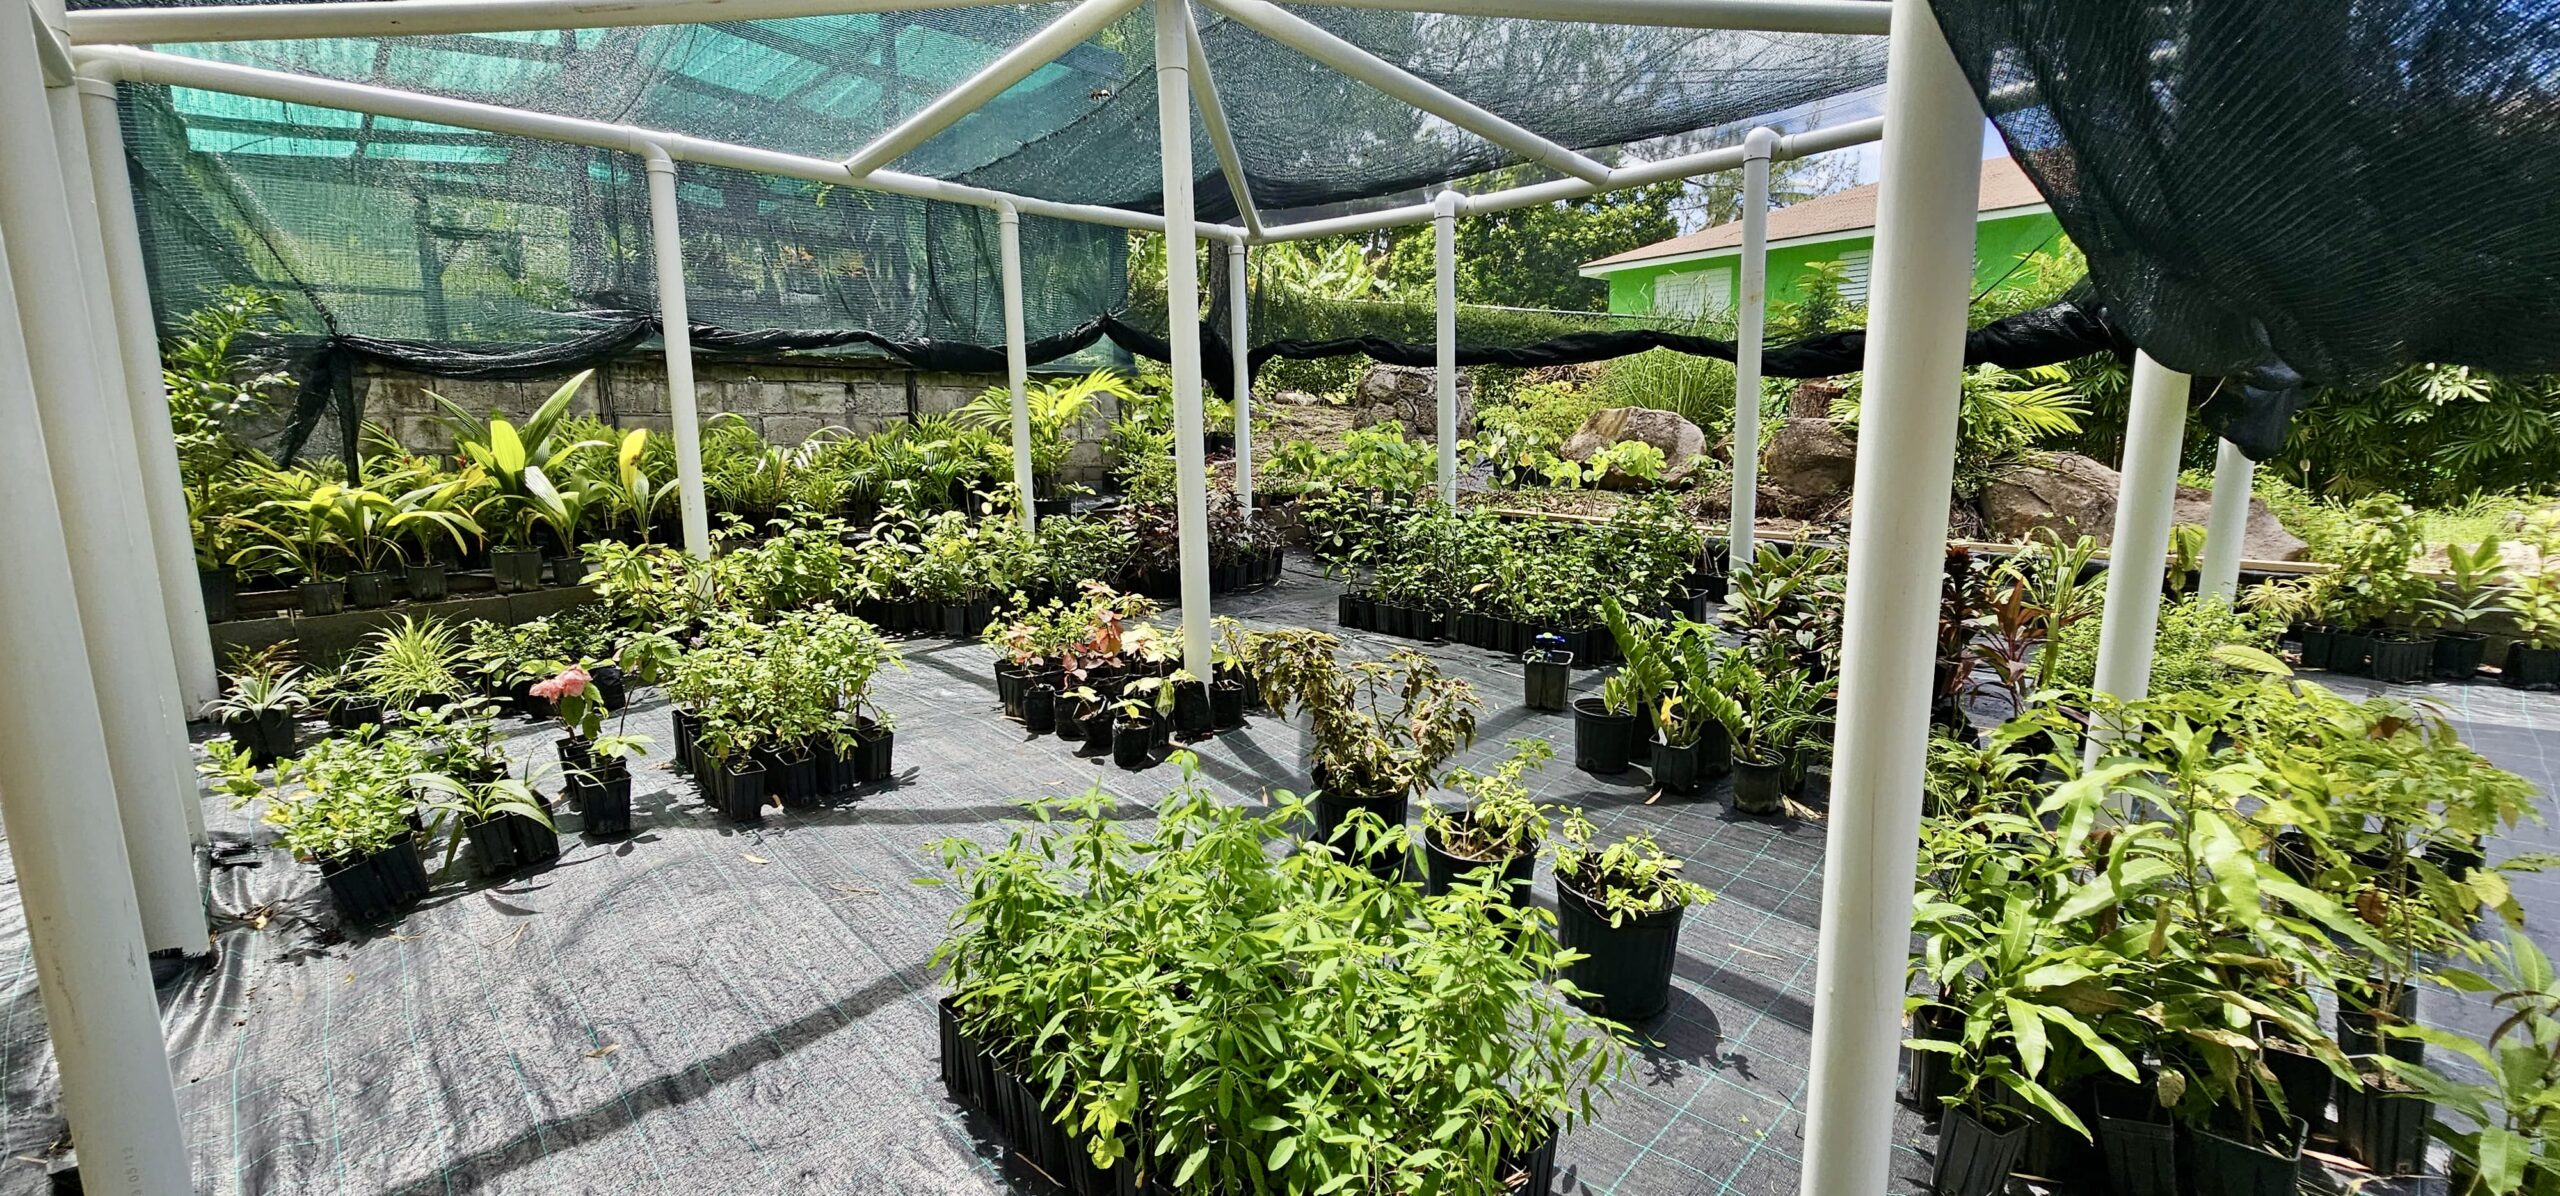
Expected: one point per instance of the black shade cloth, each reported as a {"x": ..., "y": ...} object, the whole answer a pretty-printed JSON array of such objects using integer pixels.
[{"x": 2293, "y": 192}]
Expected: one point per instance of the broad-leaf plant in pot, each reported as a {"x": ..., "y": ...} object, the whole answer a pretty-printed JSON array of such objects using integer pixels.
[{"x": 1620, "y": 905}]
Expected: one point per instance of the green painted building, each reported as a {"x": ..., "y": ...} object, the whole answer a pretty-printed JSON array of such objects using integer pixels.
[{"x": 1695, "y": 274}]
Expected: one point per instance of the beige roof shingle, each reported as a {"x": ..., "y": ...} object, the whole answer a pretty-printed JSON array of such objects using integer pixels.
[{"x": 2003, "y": 186}]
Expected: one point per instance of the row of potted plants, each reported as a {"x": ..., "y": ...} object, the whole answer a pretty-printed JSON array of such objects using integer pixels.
[
  {"x": 2122, "y": 956},
  {"x": 2374, "y": 615},
  {"x": 781, "y": 710},
  {"x": 1115, "y": 1008},
  {"x": 1097, "y": 672}
]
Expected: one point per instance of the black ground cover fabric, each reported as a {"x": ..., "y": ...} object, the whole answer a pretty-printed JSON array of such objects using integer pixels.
[{"x": 700, "y": 1008}]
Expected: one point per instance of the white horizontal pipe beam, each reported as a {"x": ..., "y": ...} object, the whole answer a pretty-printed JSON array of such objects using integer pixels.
[
  {"x": 373, "y": 18},
  {"x": 1013, "y": 66},
  {"x": 1789, "y": 148},
  {"x": 149, "y": 66},
  {"x": 1213, "y": 119},
  {"x": 1314, "y": 41},
  {"x": 1774, "y": 16}
]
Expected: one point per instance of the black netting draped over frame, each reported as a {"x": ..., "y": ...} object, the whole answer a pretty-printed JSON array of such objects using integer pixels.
[{"x": 2293, "y": 191}]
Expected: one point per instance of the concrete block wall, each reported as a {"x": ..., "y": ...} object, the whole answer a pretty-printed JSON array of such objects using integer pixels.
[{"x": 786, "y": 403}]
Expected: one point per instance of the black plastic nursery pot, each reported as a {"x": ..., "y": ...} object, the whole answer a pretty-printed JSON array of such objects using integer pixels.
[
  {"x": 791, "y": 775},
  {"x": 2316, "y": 641},
  {"x": 2220, "y": 1166},
  {"x": 612, "y": 686},
  {"x": 351, "y": 713},
  {"x": 1040, "y": 709},
  {"x": 322, "y": 598},
  {"x": 221, "y": 593},
  {"x": 1627, "y": 973},
  {"x": 2533, "y": 667},
  {"x": 2383, "y": 1125},
  {"x": 267, "y": 735},
  {"x": 1334, "y": 809},
  {"x": 1351, "y": 611},
  {"x": 1192, "y": 717},
  {"x": 1442, "y": 871},
  {"x": 2358, "y": 1036},
  {"x": 1973, "y": 1159},
  {"x": 2137, "y": 1145},
  {"x": 1133, "y": 743},
  {"x": 371, "y": 588},
  {"x": 2459, "y": 860},
  {"x": 514, "y": 570},
  {"x": 686, "y": 727},
  {"x": 2349, "y": 651},
  {"x": 2054, "y": 1151},
  {"x": 568, "y": 570},
  {"x": 874, "y": 752},
  {"x": 2459, "y": 654},
  {"x": 602, "y": 797},
  {"x": 1686, "y": 768},
  {"x": 742, "y": 790},
  {"x": 1011, "y": 680},
  {"x": 2401, "y": 658},
  {"x": 509, "y": 843},
  {"x": 379, "y": 886},
  {"x": 2304, "y": 1081},
  {"x": 1095, "y": 721},
  {"x": 1759, "y": 785},
  {"x": 1927, "y": 1082},
  {"x": 1546, "y": 681},
  {"x": 1226, "y": 705},
  {"x": 1603, "y": 742},
  {"x": 429, "y": 582}
]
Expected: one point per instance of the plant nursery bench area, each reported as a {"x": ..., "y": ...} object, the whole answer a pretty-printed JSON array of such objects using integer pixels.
[{"x": 707, "y": 1005}]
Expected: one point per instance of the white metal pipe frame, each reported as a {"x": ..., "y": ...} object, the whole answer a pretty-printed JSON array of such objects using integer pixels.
[
  {"x": 1923, "y": 268},
  {"x": 1750, "y": 316},
  {"x": 2146, "y": 495},
  {"x": 115, "y": 1079},
  {"x": 2226, "y": 525}
]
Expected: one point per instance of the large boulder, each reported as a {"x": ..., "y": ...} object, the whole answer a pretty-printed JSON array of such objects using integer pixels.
[
  {"x": 1679, "y": 440},
  {"x": 1806, "y": 469},
  {"x": 2265, "y": 539},
  {"x": 1408, "y": 395},
  {"x": 2068, "y": 493}
]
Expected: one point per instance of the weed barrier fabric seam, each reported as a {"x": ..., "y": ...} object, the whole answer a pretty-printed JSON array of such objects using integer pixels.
[{"x": 702, "y": 1008}]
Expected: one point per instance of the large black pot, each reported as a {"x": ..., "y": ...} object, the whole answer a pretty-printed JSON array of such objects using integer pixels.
[
  {"x": 509, "y": 843},
  {"x": 1133, "y": 743},
  {"x": 2137, "y": 1144},
  {"x": 2459, "y": 654},
  {"x": 355, "y": 712},
  {"x": 2401, "y": 658},
  {"x": 2316, "y": 641},
  {"x": 1442, "y": 871},
  {"x": 2220, "y": 1166},
  {"x": 371, "y": 588},
  {"x": 321, "y": 598},
  {"x": 568, "y": 570},
  {"x": 1333, "y": 810},
  {"x": 1603, "y": 743},
  {"x": 379, "y": 886},
  {"x": 1759, "y": 786},
  {"x": 1626, "y": 974},
  {"x": 514, "y": 570},
  {"x": 427, "y": 582},
  {"x": 1040, "y": 709},
  {"x": 1688, "y": 768},
  {"x": 1192, "y": 717},
  {"x": 266, "y": 736},
  {"x": 601, "y": 794},
  {"x": 221, "y": 594},
  {"x": 1226, "y": 705},
  {"x": 2305, "y": 1083},
  {"x": 1974, "y": 1160},
  {"x": 2384, "y": 1127},
  {"x": 1094, "y": 721},
  {"x": 2349, "y": 652},
  {"x": 2537, "y": 668}
]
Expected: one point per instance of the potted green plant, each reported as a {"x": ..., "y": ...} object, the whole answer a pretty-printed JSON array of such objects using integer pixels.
[
  {"x": 1382, "y": 729},
  {"x": 1690, "y": 745},
  {"x": 261, "y": 698},
  {"x": 2533, "y": 661},
  {"x": 300, "y": 538},
  {"x": 595, "y": 767},
  {"x": 2475, "y": 588},
  {"x": 2508, "y": 1142},
  {"x": 504, "y": 823},
  {"x": 1141, "y": 720},
  {"x": 412, "y": 665},
  {"x": 344, "y": 806},
  {"x": 1764, "y": 710},
  {"x": 1231, "y": 689},
  {"x": 1498, "y": 835},
  {"x": 501, "y": 453},
  {"x": 1620, "y": 906}
]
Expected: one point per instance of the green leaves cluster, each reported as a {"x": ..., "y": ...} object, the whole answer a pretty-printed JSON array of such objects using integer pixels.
[{"x": 1228, "y": 1018}]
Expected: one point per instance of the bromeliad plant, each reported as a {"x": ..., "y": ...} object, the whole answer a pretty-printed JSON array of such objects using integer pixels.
[{"x": 1157, "y": 995}]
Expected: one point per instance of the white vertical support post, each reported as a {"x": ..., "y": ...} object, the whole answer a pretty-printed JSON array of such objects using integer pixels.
[
  {"x": 1016, "y": 371},
  {"x": 675, "y": 332},
  {"x": 96, "y": 484},
  {"x": 182, "y": 598},
  {"x": 154, "y": 640},
  {"x": 2226, "y": 527},
  {"x": 1444, "y": 293},
  {"x": 1241, "y": 360},
  {"x": 2138, "y": 555},
  {"x": 1897, "y": 558},
  {"x": 1182, "y": 326},
  {"x": 1750, "y": 318},
  {"x": 84, "y": 925}
]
